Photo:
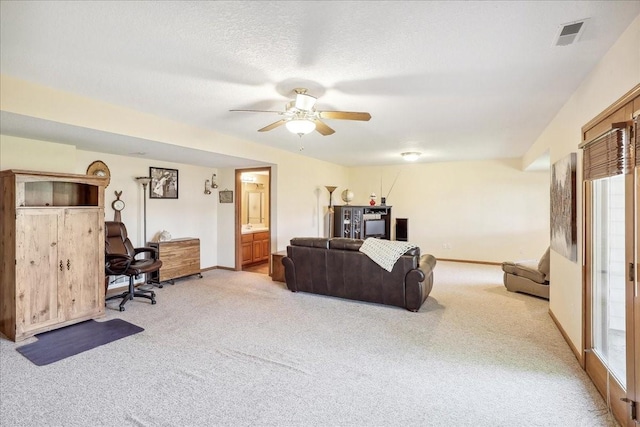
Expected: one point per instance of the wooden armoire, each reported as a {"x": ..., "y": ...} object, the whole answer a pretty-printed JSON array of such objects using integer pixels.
[{"x": 51, "y": 251}]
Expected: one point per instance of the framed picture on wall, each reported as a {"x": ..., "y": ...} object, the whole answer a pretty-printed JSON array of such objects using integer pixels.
[
  {"x": 164, "y": 183},
  {"x": 226, "y": 196}
]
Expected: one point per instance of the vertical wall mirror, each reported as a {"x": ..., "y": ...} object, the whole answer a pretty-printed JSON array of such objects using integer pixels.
[{"x": 255, "y": 207}]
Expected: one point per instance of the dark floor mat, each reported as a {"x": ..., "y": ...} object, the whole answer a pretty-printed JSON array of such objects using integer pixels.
[{"x": 71, "y": 340}]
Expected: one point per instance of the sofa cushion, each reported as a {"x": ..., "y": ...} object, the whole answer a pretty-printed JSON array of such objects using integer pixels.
[
  {"x": 345, "y": 244},
  {"x": 310, "y": 242}
]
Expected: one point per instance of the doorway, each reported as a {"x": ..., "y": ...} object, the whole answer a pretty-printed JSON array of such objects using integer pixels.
[
  {"x": 253, "y": 219},
  {"x": 611, "y": 165}
]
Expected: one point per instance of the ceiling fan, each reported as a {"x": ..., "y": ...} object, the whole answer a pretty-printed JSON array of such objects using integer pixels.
[{"x": 301, "y": 117}]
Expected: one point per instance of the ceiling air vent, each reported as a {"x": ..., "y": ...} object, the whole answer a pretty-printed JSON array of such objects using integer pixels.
[{"x": 570, "y": 33}]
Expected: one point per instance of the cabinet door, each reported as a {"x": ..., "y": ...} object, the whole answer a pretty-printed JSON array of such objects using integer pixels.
[
  {"x": 37, "y": 269},
  {"x": 265, "y": 249},
  {"x": 247, "y": 253},
  {"x": 82, "y": 255},
  {"x": 257, "y": 251}
]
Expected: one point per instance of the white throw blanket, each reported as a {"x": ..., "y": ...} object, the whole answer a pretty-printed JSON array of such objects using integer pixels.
[{"x": 385, "y": 253}]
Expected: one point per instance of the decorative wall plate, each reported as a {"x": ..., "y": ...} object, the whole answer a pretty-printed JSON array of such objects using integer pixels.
[{"x": 99, "y": 168}]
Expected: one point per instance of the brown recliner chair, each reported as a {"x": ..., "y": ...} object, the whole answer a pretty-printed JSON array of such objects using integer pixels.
[
  {"x": 120, "y": 260},
  {"x": 529, "y": 277}
]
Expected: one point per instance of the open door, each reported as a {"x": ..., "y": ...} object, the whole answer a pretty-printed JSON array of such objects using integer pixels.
[
  {"x": 253, "y": 219},
  {"x": 611, "y": 166}
]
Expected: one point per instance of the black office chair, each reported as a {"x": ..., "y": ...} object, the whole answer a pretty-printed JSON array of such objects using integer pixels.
[{"x": 120, "y": 260}]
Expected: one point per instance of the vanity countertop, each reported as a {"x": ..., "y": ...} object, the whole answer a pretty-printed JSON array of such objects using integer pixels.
[{"x": 254, "y": 230}]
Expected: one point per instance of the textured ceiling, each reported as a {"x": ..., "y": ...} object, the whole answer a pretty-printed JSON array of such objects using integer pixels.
[{"x": 453, "y": 80}]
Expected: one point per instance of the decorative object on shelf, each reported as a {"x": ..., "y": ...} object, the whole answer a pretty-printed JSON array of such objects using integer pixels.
[
  {"x": 330, "y": 189},
  {"x": 411, "y": 156},
  {"x": 144, "y": 180},
  {"x": 226, "y": 196},
  {"x": 99, "y": 168},
  {"x": 165, "y": 236},
  {"x": 347, "y": 196},
  {"x": 164, "y": 183},
  {"x": 372, "y": 198},
  {"x": 383, "y": 201},
  {"x": 118, "y": 206}
]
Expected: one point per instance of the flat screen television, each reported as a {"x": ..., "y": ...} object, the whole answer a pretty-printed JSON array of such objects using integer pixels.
[{"x": 374, "y": 228}]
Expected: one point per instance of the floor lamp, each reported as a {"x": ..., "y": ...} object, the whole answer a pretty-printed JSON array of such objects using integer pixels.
[
  {"x": 330, "y": 189},
  {"x": 144, "y": 180}
]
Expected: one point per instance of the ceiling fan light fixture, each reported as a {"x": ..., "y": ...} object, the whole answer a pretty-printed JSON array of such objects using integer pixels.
[
  {"x": 300, "y": 126},
  {"x": 411, "y": 156},
  {"x": 305, "y": 102}
]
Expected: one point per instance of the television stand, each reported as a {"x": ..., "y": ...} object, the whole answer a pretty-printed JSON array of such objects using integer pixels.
[{"x": 351, "y": 222}]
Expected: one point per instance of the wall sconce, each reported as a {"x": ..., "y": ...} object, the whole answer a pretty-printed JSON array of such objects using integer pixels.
[{"x": 209, "y": 184}]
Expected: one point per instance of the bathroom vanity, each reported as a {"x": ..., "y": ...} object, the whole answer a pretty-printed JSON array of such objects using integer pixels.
[{"x": 256, "y": 246}]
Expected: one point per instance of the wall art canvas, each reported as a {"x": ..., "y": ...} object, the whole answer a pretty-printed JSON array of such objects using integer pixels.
[
  {"x": 164, "y": 183},
  {"x": 564, "y": 238}
]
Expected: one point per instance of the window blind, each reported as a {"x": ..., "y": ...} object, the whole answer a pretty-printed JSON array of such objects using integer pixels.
[
  {"x": 636, "y": 145},
  {"x": 607, "y": 155}
]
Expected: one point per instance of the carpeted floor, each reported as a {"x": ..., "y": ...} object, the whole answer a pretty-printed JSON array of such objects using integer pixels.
[{"x": 237, "y": 349}]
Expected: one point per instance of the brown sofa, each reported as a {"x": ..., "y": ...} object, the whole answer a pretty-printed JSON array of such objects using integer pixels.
[
  {"x": 336, "y": 267},
  {"x": 529, "y": 277}
]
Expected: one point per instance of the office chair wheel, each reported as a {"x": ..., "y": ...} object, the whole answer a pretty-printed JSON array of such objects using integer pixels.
[
  {"x": 121, "y": 308},
  {"x": 153, "y": 302}
]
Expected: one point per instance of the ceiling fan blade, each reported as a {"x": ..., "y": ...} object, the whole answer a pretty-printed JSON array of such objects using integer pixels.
[
  {"x": 273, "y": 125},
  {"x": 323, "y": 128},
  {"x": 345, "y": 115}
]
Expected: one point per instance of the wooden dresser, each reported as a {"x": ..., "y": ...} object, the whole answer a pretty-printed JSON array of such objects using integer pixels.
[{"x": 180, "y": 258}]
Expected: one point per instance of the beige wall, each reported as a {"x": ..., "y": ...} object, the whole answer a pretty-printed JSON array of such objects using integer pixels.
[
  {"x": 482, "y": 211},
  {"x": 19, "y": 153},
  {"x": 617, "y": 73}
]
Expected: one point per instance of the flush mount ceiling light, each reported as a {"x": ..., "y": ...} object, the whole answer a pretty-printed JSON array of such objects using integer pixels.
[
  {"x": 300, "y": 126},
  {"x": 411, "y": 156}
]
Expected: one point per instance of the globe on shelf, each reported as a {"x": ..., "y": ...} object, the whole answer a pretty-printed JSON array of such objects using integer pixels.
[{"x": 347, "y": 196}]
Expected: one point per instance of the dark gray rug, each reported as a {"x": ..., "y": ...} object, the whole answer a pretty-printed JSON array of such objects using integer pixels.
[{"x": 74, "y": 339}]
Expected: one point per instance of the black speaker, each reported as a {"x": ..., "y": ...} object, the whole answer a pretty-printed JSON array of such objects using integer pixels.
[{"x": 402, "y": 229}]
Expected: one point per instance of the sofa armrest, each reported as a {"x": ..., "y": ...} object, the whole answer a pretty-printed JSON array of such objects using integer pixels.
[
  {"x": 526, "y": 269},
  {"x": 419, "y": 282},
  {"x": 290, "y": 274},
  {"x": 427, "y": 262}
]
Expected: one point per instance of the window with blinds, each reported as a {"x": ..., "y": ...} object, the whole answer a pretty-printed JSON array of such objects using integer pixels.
[
  {"x": 636, "y": 150},
  {"x": 607, "y": 155}
]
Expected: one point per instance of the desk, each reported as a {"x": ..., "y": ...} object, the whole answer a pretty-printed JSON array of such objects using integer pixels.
[{"x": 277, "y": 269}]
